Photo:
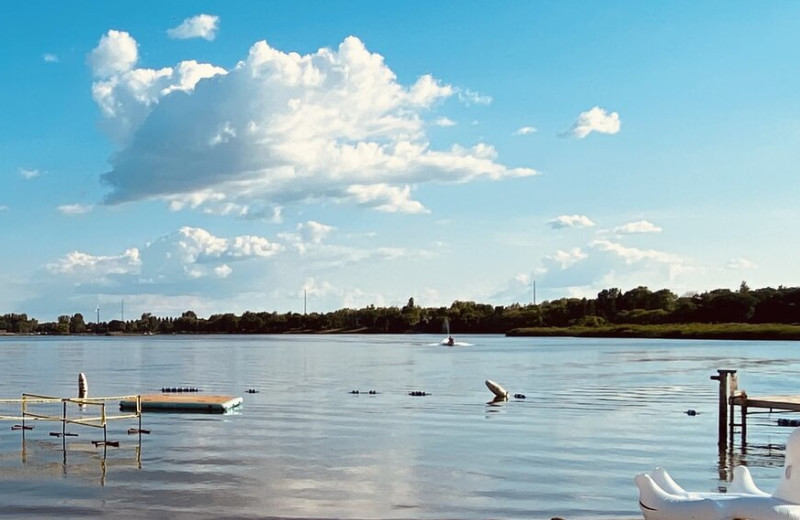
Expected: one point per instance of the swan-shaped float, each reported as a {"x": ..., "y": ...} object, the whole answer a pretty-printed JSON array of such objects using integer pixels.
[{"x": 661, "y": 498}]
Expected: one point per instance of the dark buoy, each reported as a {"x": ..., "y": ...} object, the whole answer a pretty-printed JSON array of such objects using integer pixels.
[
  {"x": 178, "y": 389},
  {"x": 519, "y": 396},
  {"x": 691, "y": 413}
]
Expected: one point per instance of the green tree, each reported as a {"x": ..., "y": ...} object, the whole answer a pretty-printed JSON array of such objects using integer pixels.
[
  {"x": 411, "y": 314},
  {"x": 62, "y": 327},
  {"x": 76, "y": 324},
  {"x": 251, "y": 322}
]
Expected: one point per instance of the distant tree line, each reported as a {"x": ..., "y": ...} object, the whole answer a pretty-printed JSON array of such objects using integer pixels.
[{"x": 639, "y": 306}]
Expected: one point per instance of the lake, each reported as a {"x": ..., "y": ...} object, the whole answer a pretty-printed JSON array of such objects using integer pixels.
[{"x": 597, "y": 411}]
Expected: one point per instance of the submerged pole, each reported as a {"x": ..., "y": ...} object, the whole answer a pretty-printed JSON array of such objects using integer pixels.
[{"x": 723, "y": 376}]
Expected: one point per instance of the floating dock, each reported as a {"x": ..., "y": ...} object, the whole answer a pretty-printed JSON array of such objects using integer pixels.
[{"x": 183, "y": 403}]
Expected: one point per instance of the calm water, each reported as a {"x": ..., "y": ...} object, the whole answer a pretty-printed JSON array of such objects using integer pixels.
[{"x": 597, "y": 412}]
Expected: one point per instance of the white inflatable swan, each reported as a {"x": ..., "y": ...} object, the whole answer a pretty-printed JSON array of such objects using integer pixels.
[{"x": 661, "y": 498}]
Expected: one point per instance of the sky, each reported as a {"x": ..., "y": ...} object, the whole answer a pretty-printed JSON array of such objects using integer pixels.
[{"x": 287, "y": 156}]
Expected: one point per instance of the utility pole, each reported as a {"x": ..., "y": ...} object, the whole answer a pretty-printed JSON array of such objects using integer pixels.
[
  {"x": 305, "y": 301},
  {"x": 98, "y": 314}
]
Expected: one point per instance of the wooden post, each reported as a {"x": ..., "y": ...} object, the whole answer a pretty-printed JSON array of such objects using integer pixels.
[
  {"x": 744, "y": 420},
  {"x": 724, "y": 388}
]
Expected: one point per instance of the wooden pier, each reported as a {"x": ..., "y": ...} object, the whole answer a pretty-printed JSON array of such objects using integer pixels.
[{"x": 730, "y": 397}]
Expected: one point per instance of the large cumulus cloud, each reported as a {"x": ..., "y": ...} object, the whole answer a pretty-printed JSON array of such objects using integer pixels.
[{"x": 278, "y": 128}]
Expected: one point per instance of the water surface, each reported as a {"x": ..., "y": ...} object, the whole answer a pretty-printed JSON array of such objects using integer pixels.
[{"x": 597, "y": 412}]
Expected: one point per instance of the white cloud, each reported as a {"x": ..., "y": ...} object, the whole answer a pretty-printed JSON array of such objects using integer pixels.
[
  {"x": 83, "y": 266},
  {"x": 314, "y": 231},
  {"x": 389, "y": 199},
  {"x": 313, "y": 287},
  {"x": 201, "y": 26},
  {"x": 569, "y": 258},
  {"x": 570, "y": 221},
  {"x": 3, "y": 207},
  {"x": 640, "y": 226},
  {"x": 28, "y": 174},
  {"x": 74, "y": 209},
  {"x": 50, "y": 58},
  {"x": 632, "y": 254},
  {"x": 594, "y": 120},
  {"x": 173, "y": 264},
  {"x": 469, "y": 97},
  {"x": 279, "y": 129},
  {"x": 193, "y": 268},
  {"x": 196, "y": 245},
  {"x": 126, "y": 99},
  {"x": 223, "y": 271},
  {"x": 308, "y": 235},
  {"x": 116, "y": 53},
  {"x": 608, "y": 264},
  {"x": 525, "y": 130},
  {"x": 740, "y": 263},
  {"x": 444, "y": 122}
]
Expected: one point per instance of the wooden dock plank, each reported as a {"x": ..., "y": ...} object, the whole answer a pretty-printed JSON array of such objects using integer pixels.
[{"x": 775, "y": 402}]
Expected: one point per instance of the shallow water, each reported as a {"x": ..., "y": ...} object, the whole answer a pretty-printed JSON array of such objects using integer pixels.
[{"x": 597, "y": 412}]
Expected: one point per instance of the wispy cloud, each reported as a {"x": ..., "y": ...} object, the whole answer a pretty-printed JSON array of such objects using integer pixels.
[
  {"x": 469, "y": 97},
  {"x": 594, "y": 120},
  {"x": 740, "y": 263},
  {"x": 201, "y": 26},
  {"x": 632, "y": 254},
  {"x": 74, "y": 209},
  {"x": 570, "y": 221},
  {"x": 28, "y": 174},
  {"x": 50, "y": 58},
  {"x": 568, "y": 258},
  {"x": 444, "y": 121},
  {"x": 640, "y": 226},
  {"x": 525, "y": 130}
]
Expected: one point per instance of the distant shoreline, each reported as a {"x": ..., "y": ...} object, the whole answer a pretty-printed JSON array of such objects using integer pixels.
[{"x": 722, "y": 331}]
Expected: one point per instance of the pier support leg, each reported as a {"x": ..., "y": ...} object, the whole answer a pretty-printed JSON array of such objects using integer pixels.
[
  {"x": 724, "y": 424},
  {"x": 744, "y": 424}
]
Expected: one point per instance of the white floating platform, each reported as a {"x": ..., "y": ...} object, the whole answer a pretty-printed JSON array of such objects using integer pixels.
[{"x": 183, "y": 403}]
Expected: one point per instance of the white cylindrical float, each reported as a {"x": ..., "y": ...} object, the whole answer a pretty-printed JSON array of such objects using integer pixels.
[
  {"x": 83, "y": 387},
  {"x": 496, "y": 389}
]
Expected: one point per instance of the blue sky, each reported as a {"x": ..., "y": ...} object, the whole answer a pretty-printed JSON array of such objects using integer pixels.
[{"x": 230, "y": 156}]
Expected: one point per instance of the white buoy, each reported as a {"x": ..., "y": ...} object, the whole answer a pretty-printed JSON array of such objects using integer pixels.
[
  {"x": 83, "y": 387},
  {"x": 496, "y": 389}
]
